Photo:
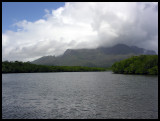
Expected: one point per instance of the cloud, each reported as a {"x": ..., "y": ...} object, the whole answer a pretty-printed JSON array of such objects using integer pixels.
[{"x": 83, "y": 25}]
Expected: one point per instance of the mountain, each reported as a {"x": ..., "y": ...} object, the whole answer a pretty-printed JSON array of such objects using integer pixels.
[{"x": 99, "y": 57}]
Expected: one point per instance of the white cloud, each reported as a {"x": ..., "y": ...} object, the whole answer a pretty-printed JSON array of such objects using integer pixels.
[{"x": 83, "y": 25}]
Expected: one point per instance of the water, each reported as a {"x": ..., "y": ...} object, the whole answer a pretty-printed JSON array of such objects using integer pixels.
[{"x": 79, "y": 95}]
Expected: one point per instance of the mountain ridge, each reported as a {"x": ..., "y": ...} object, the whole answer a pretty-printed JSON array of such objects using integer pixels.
[{"x": 98, "y": 57}]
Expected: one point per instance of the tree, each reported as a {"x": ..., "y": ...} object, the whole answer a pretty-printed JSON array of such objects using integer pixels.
[{"x": 143, "y": 64}]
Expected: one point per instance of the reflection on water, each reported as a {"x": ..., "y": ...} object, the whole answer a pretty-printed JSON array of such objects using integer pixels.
[{"x": 79, "y": 95}]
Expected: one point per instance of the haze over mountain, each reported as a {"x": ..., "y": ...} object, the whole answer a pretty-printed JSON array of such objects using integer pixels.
[
  {"x": 99, "y": 57},
  {"x": 77, "y": 25}
]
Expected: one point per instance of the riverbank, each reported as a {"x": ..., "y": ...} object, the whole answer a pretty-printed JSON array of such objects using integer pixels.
[
  {"x": 143, "y": 65},
  {"x": 26, "y": 67}
]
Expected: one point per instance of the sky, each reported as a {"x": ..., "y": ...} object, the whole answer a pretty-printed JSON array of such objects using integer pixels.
[
  {"x": 31, "y": 30},
  {"x": 30, "y": 11}
]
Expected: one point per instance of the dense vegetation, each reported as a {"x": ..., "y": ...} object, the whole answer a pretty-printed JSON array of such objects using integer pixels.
[
  {"x": 27, "y": 67},
  {"x": 143, "y": 64}
]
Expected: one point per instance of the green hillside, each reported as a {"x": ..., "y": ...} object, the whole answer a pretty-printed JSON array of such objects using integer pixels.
[{"x": 99, "y": 57}]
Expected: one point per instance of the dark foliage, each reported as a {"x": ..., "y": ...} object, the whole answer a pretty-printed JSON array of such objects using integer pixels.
[
  {"x": 143, "y": 64},
  {"x": 27, "y": 67}
]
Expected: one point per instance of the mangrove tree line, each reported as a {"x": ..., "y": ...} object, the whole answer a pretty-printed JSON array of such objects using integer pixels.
[{"x": 143, "y": 64}]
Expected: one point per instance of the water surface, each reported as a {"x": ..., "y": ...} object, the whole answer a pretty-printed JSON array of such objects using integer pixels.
[{"x": 79, "y": 95}]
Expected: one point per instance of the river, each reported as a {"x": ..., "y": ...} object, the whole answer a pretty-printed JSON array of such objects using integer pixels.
[{"x": 79, "y": 95}]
